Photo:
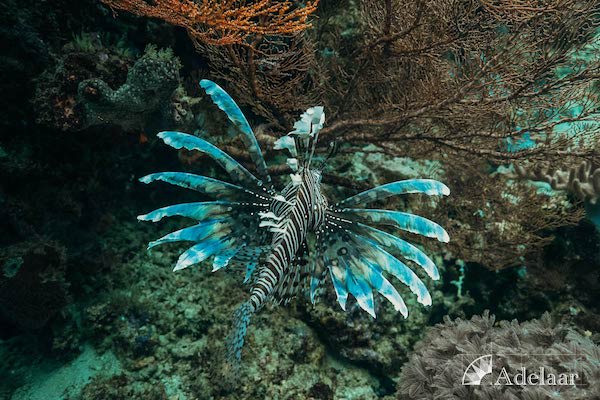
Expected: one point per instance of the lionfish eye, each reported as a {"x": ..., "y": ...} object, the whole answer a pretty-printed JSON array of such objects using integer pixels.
[{"x": 342, "y": 251}]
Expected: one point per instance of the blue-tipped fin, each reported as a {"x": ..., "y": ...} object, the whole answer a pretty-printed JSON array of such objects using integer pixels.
[
  {"x": 338, "y": 278},
  {"x": 199, "y": 183},
  {"x": 197, "y": 210},
  {"x": 385, "y": 288},
  {"x": 201, "y": 252},
  {"x": 359, "y": 287},
  {"x": 196, "y": 233},
  {"x": 401, "y": 220},
  {"x": 181, "y": 140},
  {"x": 429, "y": 187},
  {"x": 370, "y": 250},
  {"x": 222, "y": 259},
  {"x": 407, "y": 250},
  {"x": 235, "y": 115}
]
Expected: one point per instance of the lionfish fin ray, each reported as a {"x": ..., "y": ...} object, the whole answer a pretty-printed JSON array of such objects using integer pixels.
[
  {"x": 401, "y": 220},
  {"x": 429, "y": 187},
  {"x": 181, "y": 140},
  {"x": 406, "y": 249},
  {"x": 235, "y": 115},
  {"x": 199, "y": 183},
  {"x": 200, "y": 252},
  {"x": 197, "y": 210},
  {"x": 195, "y": 233}
]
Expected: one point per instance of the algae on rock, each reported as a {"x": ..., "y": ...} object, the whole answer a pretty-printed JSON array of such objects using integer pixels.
[{"x": 146, "y": 93}]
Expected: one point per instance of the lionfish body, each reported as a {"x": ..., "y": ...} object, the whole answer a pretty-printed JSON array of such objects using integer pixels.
[{"x": 289, "y": 242}]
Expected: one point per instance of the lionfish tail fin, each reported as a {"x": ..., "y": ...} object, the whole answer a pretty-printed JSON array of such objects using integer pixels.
[{"x": 235, "y": 340}]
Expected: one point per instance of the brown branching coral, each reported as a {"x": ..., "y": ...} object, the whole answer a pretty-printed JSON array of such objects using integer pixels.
[
  {"x": 275, "y": 76},
  {"x": 520, "y": 10},
  {"x": 257, "y": 49},
  {"x": 224, "y": 22},
  {"x": 583, "y": 180},
  {"x": 498, "y": 223},
  {"x": 456, "y": 75}
]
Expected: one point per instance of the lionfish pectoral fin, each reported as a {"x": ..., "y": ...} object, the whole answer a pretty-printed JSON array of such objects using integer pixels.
[{"x": 235, "y": 115}]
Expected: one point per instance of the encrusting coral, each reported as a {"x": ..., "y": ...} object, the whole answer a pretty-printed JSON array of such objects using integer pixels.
[
  {"x": 147, "y": 91},
  {"x": 436, "y": 368},
  {"x": 88, "y": 55},
  {"x": 583, "y": 179}
]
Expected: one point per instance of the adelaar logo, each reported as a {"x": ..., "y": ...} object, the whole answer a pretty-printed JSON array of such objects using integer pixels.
[
  {"x": 479, "y": 368},
  {"x": 483, "y": 366}
]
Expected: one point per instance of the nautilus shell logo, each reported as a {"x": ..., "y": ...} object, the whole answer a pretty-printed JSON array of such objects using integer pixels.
[
  {"x": 521, "y": 376},
  {"x": 477, "y": 370}
]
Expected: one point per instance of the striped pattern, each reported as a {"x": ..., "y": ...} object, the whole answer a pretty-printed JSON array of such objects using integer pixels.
[{"x": 302, "y": 211}]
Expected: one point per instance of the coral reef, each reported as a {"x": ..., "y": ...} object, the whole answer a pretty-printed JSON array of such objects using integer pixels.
[
  {"x": 583, "y": 179},
  {"x": 381, "y": 345},
  {"x": 188, "y": 316},
  {"x": 146, "y": 92},
  {"x": 567, "y": 274},
  {"x": 119, "y": 387},
  {"x": 443, "y": 89},
  {"x": 87, "y": 56},
  {"x": 499, "y": 223},
  {"x": 435, "y": 369},
  {"x": 267, "y": 62},
  {"x": 452, "y": 76},
  {"x": 271, "y": 76}
]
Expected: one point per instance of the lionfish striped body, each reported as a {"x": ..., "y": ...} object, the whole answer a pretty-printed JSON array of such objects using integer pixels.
[
  {"x": 289, "y": 242},
  {"x": 303, "y": 211}
]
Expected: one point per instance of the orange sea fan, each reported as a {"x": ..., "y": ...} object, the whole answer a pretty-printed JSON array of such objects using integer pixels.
[{"x": 222, "y": 22}]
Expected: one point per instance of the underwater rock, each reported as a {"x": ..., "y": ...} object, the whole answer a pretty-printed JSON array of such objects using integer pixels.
[
  {"x": 88, "y": 56},
  {"x": 568, "y": 274},
  {"x": 380, "y": 345},
  {"x": 24, "y": 54},
  {"x": 121, "y": 387},
  {"x": 32, "y": 283},
  {"x": 189, "y": 316},
  {"x": 146, "y": 93},
  {"x": 503, "y": 223},
  {"x": 437, "y": 366},
  {"x": 320, "y": 391},
  {"x": 123, "y": 322}
]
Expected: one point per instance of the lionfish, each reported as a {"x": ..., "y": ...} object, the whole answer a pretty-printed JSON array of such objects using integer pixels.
[{"x": 289, "y": 241}]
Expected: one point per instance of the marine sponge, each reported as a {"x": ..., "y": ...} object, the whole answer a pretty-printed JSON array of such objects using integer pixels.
[
  {"x": 147, "y": 92},
  {"x": 436, "y": 368},
  {"x": 583, "y": 179}
]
